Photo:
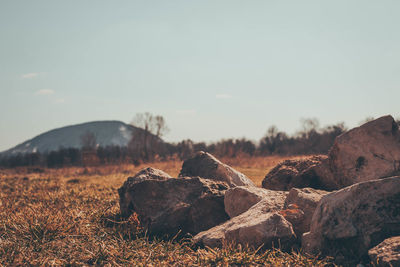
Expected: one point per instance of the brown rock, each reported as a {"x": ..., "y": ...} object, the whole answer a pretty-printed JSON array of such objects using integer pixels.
[
  {"x": 207, "y": 166},
  {"x": 143, "y": 175},
  {"x": 293, "y": 173},
  {"x": 368, "y": 152},
  {"x": 241, "y": 198},
  {"x": 387, "y": 253},
  {"x": 305, "y": 199},
  {"x": 295, "y": 216},
  {"x": 256, "y": 227},
  {"x": 188, "y": 205},
  {"x": 350, "y": 221},
  {"x": 149, "y": 174}
]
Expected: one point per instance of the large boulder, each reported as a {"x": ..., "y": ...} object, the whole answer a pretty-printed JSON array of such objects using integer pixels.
[
  {"x": 166, "y": 207},
  {"x": 143, "y": 175},
  {"x": 256, "y": 227},
  {"x": 207, "y": 166},
  {"x": 348, "y": 222},
  {"x": 387, "y": 253},
  {"x": 293, "y": 173},
  {"x": 241, "y": 198},
  {"x": 368, "y": 152},
  {"x": 305, "y": 199}
]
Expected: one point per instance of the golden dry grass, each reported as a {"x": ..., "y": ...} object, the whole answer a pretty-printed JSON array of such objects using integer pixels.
[{"x": 70, "y": 216}]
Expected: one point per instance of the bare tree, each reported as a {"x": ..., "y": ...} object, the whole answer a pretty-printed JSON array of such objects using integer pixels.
[
  {"x": 161, "y": 127},
  {"x": 273, "y": 141},
  {"x": 144, "y": 143},
  {"x": 309, "y": 126},
  {"x": 88, "y": 141}
]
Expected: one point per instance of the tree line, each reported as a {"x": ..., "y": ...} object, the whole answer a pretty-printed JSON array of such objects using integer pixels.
[{"x": 146, "y": 145}]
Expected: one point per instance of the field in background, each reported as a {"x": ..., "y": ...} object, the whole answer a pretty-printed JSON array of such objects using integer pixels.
[
  {"x": 71, "y": 216},
  {"x": 254, "y": 167}
]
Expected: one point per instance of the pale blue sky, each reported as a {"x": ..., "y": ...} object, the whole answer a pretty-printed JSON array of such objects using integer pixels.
[{"x": 213, "y": 69}]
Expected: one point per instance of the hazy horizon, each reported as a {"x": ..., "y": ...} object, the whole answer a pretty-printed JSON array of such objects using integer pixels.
[
  {"x": 299, "y": 129},
  {"x": 213, "y": 69}
]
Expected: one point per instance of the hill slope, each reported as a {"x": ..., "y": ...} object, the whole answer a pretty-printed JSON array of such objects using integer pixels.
[{"x": 106, "y": 132}]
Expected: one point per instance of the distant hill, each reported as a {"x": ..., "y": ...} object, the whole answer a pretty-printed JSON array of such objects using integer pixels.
[{"x": 107, "y": 133}]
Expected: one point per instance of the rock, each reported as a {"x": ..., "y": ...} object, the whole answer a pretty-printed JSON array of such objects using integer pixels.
[
  {"x": 305, "y": 199},
  {"x": 368, "y": 152},
  {"x": 293, "y": 173},
  {"x": 207, "y": 166},
  {"x": 350, "y": 221},
  {"x": 149, "y": 173},
  {"x": 239, "y": 199},
  {"x": 295, "y": 216},
  {"x": 188, "y": 205},
  {"x": 144, "y": 174},
  {"x": 256, "y": 227},
  {"x": 386, "y": 253}
]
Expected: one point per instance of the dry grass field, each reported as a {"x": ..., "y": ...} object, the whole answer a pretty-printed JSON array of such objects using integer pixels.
[{"x": 70, "y": 217}]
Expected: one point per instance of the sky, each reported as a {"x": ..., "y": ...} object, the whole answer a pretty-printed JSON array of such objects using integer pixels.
[{"x": 213, "y": 69}]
